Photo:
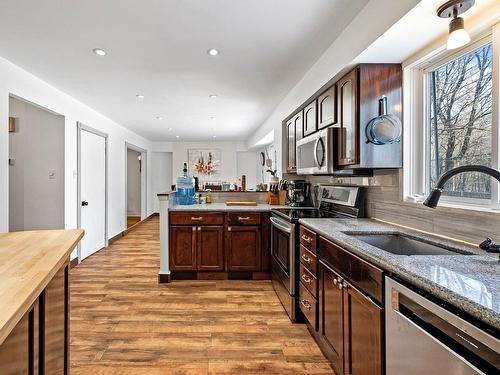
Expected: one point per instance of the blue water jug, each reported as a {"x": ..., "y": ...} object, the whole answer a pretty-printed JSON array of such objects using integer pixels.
[{"x": 185, "y": 188}]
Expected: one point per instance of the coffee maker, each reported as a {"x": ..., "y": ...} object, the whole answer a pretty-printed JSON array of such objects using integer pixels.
[{"x": 298, "y": 193}]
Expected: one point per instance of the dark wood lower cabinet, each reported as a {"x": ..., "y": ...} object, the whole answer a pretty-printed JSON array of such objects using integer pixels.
[
  {"x": 363, "y": 333},
  {"x": 183, "y": 248},
  {"x": 243, "y": 248},
  {"x": 331, "y": 314},
  {"x": 39, "y": 343},
  {"x": 210, "y": 248}
]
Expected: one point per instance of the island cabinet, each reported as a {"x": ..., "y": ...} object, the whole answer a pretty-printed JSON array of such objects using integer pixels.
[
  {"x": 39, "y": 342},
  {"x": 349, "y": 304},
  {"x": 219, "y": 245}
]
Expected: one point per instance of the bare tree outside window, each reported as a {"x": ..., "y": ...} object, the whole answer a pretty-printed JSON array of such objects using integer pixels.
[{"x": 460, "y": 121}]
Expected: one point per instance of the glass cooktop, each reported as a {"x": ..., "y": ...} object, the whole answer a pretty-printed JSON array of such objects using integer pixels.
[{"x": 306, "y": 213}]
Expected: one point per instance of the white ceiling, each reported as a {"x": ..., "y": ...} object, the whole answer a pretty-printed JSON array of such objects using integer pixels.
[{"x": 157, "y": 48}]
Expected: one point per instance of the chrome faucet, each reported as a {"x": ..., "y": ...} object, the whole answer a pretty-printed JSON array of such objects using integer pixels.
[{"x": 433, "y": 198}]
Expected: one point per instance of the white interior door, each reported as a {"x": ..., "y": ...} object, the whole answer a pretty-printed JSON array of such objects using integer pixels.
[{"x": 92, "y": 192}]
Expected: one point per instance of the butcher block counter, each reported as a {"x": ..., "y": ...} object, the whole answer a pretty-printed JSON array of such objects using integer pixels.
[{"x": 34, "y": 295}]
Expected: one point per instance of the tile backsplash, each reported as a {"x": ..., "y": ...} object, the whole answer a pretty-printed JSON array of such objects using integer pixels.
[{"x": 384, "y": 202}]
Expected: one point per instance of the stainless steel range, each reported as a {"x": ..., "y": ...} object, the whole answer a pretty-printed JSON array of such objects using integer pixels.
[{"x": 335, "y": 202}]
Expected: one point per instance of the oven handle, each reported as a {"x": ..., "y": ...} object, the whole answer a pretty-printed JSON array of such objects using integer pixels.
[{"x": 277, "y": 224}]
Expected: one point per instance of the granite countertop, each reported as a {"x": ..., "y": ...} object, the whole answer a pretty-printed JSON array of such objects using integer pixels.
[
  {"x": 222, "y": 207},
  {"x": 469, "y": 282}
]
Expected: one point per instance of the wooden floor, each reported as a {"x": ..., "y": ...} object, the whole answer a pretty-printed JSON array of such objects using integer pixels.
[
  {"x": 124, "y": 322},
  {"x": 132, "y": 220}
]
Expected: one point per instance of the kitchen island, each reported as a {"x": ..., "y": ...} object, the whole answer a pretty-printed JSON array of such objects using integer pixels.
[
  {"x": 34, "y": 295},
  {"x": 214, "y": 240}
]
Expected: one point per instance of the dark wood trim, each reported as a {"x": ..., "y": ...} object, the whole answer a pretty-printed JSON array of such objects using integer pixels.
[
  {"x": 194, "y": 275},
  {"x": 163, "y": 279},
  {"x": 73, "y": 263}
]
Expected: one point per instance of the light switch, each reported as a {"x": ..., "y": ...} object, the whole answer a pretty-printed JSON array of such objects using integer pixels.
[
  {"x": 52, "y": 175},
  {"x": 11, "y": 162}
]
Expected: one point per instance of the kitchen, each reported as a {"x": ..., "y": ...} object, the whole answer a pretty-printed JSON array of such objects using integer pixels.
[{"x": 355, "y": 231}]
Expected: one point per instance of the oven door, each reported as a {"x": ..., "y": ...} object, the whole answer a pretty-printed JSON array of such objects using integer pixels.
[
  {"x": 283, "y": 264},
  {"x": 315, "y": 153}
]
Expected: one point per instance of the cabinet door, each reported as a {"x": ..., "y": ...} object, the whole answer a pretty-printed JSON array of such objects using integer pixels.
[
  {"x": 362, "y": 333},
  {"x": 183, "y": 248},
  {"x": 327, "y": 108},
  {"x": 310, "y": 119},
  {"x": 243, "y": 248},
  {"x": 55, "y": 337},
  {"x": 211, "y": 248},
  {"x": 331, "y": 313},
  {"x": 298, "y": 121},
  {"x": 349, "y": 137},
  {"x": 291, "y": 140}
]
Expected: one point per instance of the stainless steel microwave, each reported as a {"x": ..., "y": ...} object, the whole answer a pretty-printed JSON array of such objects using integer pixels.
[{"x": 315, "y": 153}]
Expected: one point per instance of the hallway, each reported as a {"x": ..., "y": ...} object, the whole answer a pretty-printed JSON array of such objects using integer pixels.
[{"x": 124, "y": 322}]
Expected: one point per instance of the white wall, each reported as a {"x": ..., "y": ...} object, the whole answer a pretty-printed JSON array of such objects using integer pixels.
[
  {"x": 37, "y": 148},
  {"x": 371, "y": 22},
  {"x": 161, "y": 176},
  {"x": 229, "y": 169},
  {"x": 133, "y": 183},
  {"x": 247, "y": 164},
  {"x": 16, "y": 81}
]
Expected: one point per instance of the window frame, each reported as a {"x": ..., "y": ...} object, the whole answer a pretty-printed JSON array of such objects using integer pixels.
[{"x": 416, "y": 136}]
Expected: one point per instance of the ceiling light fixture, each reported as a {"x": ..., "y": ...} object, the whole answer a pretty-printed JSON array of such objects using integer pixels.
[
  {"x": 159, "y": 118},
  {"x": 213, "y": 52},
  {"x": 212, "y": 96},
  {"x": 99, "y": 52},
  {"x": 214, "y": 136},
  {"x": 139, "y": 96},
  {"x": 177, "y": 136},
  {"x": 169, "y": 129},
  {"x": 212, "y": 117},
  {"x": 458, "y": 37}
]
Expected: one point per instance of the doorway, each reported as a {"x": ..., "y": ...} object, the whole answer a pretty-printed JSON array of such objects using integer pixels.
[
  {"x": 135, "y": 184},
  {"x": 36, "y": 167},
  {"x": 92, "y": 194}
]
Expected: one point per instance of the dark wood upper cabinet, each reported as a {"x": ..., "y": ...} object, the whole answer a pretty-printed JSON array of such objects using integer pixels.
[
  {"x": 363, "y": 334},
  {"x": 183, "y": 247},
  {"x": 294, "y": 131},
  {"x": 310, "y": 119},
  {"x": 348, "y": 152},
  {"x": 332, "y": 313},
  {"x": 210, "y": 248},
  {"x": 327, "y": 108},
  {"x": 291, "y": 166},
  {"x": 243, "y": 248}
]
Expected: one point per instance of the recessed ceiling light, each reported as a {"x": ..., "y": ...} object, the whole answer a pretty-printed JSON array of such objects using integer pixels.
[
  {"x": 212, "y": 96},
  {"x": 177, "y": 136},
  {"x": 99, "y": 52},
  {"x": 212, "y": 117},
  {"x": 159, "y": 118},
  {"x": 169, "y": 129},
  {"x": 139, "y": 96},
  {"x": 213, "y": 52},
  {"x": 214, "y": 136}
]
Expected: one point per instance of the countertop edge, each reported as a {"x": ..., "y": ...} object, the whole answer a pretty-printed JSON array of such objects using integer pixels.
[
  {"x": 487, "y": 316},
  {"x": 23, "y": 307}
]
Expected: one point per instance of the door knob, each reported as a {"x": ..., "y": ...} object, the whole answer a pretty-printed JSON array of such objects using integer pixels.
[{"x": 85, "y": 203}]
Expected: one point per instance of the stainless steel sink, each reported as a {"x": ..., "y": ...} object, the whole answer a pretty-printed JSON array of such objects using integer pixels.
[{"x": 402, "y": 245}]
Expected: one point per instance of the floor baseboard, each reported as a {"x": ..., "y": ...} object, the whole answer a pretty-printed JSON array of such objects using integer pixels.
[{"x": 124, "y": 232}]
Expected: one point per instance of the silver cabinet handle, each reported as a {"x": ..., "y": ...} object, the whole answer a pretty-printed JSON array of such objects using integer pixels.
[
  {"x": 229, "y": 229},
  {"x": 194, "y": 229},
  {"x": 199, "y": 229},
  {"x": 199, "y": 218},
  {"x": 243, "y": 218},
  {"x": 306, "y": 238},
  {"x": 306, "y": 304},
  {"x": 306, "y": 258},
  {"x": 306, "y": 279}
]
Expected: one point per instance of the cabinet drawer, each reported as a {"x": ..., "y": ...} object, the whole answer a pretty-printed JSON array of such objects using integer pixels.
[
  {"x": 243, "y": 218},
  {"x": 309, "y": 280},
  {"x": 196, "y": 218},
  {"x": 308, "y": 305},
  {"x": 308, "y": 259},
  {"x": 308, "y": 239},
  {"x": 357, "y": 271}
]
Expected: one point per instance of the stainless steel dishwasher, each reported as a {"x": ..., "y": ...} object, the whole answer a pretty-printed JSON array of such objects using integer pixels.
[{"x": 424, "y": 338}]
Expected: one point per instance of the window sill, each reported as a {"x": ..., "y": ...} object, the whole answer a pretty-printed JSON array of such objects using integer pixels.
[{"x": 461, "y": 206}]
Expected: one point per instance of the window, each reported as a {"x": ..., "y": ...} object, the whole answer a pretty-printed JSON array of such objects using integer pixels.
[
  {"x": 452, "y": 121},
  {"x": 459, "y": 122}
]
